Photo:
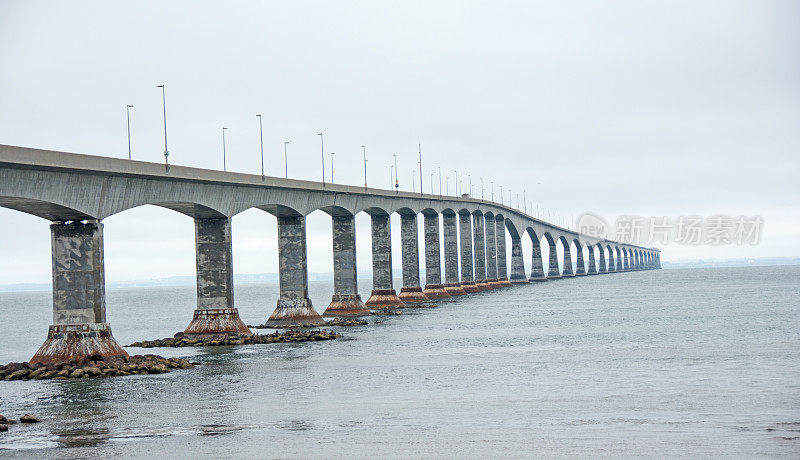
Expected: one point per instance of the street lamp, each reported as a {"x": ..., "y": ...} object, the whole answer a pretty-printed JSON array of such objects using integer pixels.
[
  {"x": 285, "y": 160},
  {"x": 481, "y": 188},
  {"x": 128, "y": 111},
  {"x": 431, "y": 183},
  {"x": 332, "y": 154},
  {"x": 492, "y": 191},
  {"x": 420, "y": 169},
  {"x": 455, "y": 184},
  {"x": 322, "y": 155},
  {"x": 164, "y": 105},
  {"x": 391, "y": 175},
  {"x": 364, "y": 150},
  {"x": 470, "y": 184},
  {"x": 440, "y": 180},
  {"x": 224, "y": 168},
  {"x": 396, "y": 182},
  {"x": 261, "y": 134}
]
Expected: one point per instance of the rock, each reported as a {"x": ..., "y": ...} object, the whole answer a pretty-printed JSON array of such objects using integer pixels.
[
  {"x": 76, "y": 374},
  {"x": 3, "y": 420},
  {"x": 158, "y": 369},
  {"x": 28, "y": 418},
  {"x": 16, "y": 375},
  {"x": 3, "y": 427}
]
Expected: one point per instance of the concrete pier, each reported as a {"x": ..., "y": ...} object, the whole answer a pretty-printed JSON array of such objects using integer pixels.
[
  {"x": 580, "y": 268},
  {"x": 619, "y": 265},
  {"x": 611, "y": 265},
  {"x": 491, "y": 252},
  {"x": 79, "y": 326},
  {"x": 517, "y": 262},
  {"x": 626, "y": 261},
  {"x": 452, "y": 284},
  {"x": 411, "y": 292},
  {"x": 215, "y": 312},
  {"x": 567, "y": 271},
  {"x": 479, "y": 242},
  {"x": 467, "y": 274},
  {"x": 502, "y": 265},
  {"x": 383, "y": 294},
  {"x": 346, "y": 301},
  {"x": 553, "y": 272},
  {"x": 592, "y": 267},
  {"x": 294, "y": 307},
  {"x": 537, "y": 268},
  {"x": 434, "y": 288}
]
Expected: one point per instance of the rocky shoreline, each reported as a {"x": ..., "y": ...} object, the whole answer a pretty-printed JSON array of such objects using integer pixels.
[
  {"x": 238, "y": 339},
  {"x": 93, "y": 366}
]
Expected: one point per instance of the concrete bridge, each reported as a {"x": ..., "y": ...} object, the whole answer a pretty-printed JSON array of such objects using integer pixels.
[{"x": 76, "y": 192}]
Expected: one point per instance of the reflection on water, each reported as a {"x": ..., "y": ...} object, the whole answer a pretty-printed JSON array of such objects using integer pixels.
[{"x": 682, "y": 362}]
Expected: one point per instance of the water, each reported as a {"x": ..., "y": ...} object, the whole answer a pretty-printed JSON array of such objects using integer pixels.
[{"x": 696, "y": 363}]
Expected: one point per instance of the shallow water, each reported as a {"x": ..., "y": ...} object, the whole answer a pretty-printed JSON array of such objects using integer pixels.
[{"x": 696, "y": 363}]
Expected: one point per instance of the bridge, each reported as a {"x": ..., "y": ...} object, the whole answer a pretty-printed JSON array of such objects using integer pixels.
[{"x": 76, "y": 192}]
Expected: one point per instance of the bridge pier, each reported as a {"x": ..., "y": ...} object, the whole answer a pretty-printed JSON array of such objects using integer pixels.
[
  {"x": 452, "y": 285},
  {"x": 658, "y": 261},
  {"x": 502, "y": 266},
  {"x": 294, "y": 308},
  {"x": 537, "y": 268},
  {"x": 411, "y": 292},
  {"x": 480, "y": 252},
  {"x": 592, "y": 268},
  {"x": 567, "y": 271},
  {"x": 215, "y": 312},
  {"x": 465, "y": 228},
  {"x": 601, "y": 269},
  {"x": 619, "y": 265},
  {"x": 580, "y": 269},
  {"x": 626, "y": 261},
  {"x": 79, "y": 326},
  {"x": 552, "y": 271},
  {"x": 434, "y": 289},
  {"x": 346, "y": 300},
  {"x": 383, "y": 294},
  {"x": 491, "y": 253},
  {"x": 517, "y": 262}
]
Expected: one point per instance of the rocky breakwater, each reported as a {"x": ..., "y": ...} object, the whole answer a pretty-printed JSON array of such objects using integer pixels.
[
  {"x": 93, "y": 366},
  {"x": 181, "y": 340}
]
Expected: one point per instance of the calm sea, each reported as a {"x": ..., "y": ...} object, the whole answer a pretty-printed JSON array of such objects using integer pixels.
[{"x": 676, "y": 363}]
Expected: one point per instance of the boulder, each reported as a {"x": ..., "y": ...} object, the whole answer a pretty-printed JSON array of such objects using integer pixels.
[{"x": 28, "y": 418}]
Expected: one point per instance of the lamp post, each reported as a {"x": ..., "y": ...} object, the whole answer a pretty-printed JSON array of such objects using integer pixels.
[
  {"x": 261, "y": 135},
  {"x": 455, "y": 184},
  {"x": 224, "y": 167},
  {"x": 285, "y": 160},
  {"x": 322, "y": 155},
  {"x": 431, "y": 183},
  {"x": 396, "y": 182},
  {"x": 364, "y": 150},
  {"x": 391, "y": 175},
  {"x": 440, "y": 180},
  {"x": 332, "y": 154},
  {"x": 492, "y": 191},
  {"x": 470, "y": 184},
  {"x": 164, "y": 105},
  {"x": 128, "y": 111},
  {"x": 420, "y": 169},
  {"x": 447, "y": 184},
  {"x": 481, "y": 188}
]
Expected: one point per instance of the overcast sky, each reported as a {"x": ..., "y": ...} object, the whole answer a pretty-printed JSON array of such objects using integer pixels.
[{"x": 616, "y": 107}]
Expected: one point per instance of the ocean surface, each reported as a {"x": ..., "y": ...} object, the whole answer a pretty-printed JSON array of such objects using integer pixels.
[{"x": 668, "y": 363}]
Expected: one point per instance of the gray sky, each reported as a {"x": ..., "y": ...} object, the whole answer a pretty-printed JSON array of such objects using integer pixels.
[{"x": 620, "y": 107}]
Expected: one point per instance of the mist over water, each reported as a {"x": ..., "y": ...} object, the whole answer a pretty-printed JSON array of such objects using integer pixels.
[{"x": 698, "y": 362}]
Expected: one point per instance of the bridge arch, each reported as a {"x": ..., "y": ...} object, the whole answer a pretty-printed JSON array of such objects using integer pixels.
[{"x": 48, "y": 210}]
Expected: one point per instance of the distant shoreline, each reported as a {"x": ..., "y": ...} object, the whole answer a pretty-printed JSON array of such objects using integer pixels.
[{"x": 266, "y": 278}]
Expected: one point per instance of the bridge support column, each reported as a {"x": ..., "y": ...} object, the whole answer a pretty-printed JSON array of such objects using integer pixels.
[
  {"x": 452, "y": 286},
  {"x": 411, "y": 292},
  {"x": 346, "y": 301},
  {"x": 658, "y": 261},
  {"x": 215, "y": 312},
  {"x": 619, "y": 265},
  {"x": 491, "y": 254},
  {"x": 467, "y": 277},
  {"x": 502, "y": 265},
  {"x": 537, "y": 268},
  {"x": 480, "y": 252},
  {"x": 553, "y": 271},
  {"x": 580, "y": 269},
  {"x": 294, "y": 308},
  {"x": 602, "y": 268},
  {"x": 79, "y": 326},
  {"x": 592, "y": 267},
  {"x": 434, "y": 289},
  {"x": 626, "y": 261},
  {"x": 383, "y": 294},
  {"x": 517, "y": 263},
  {"x": 567, "y": 271}
]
